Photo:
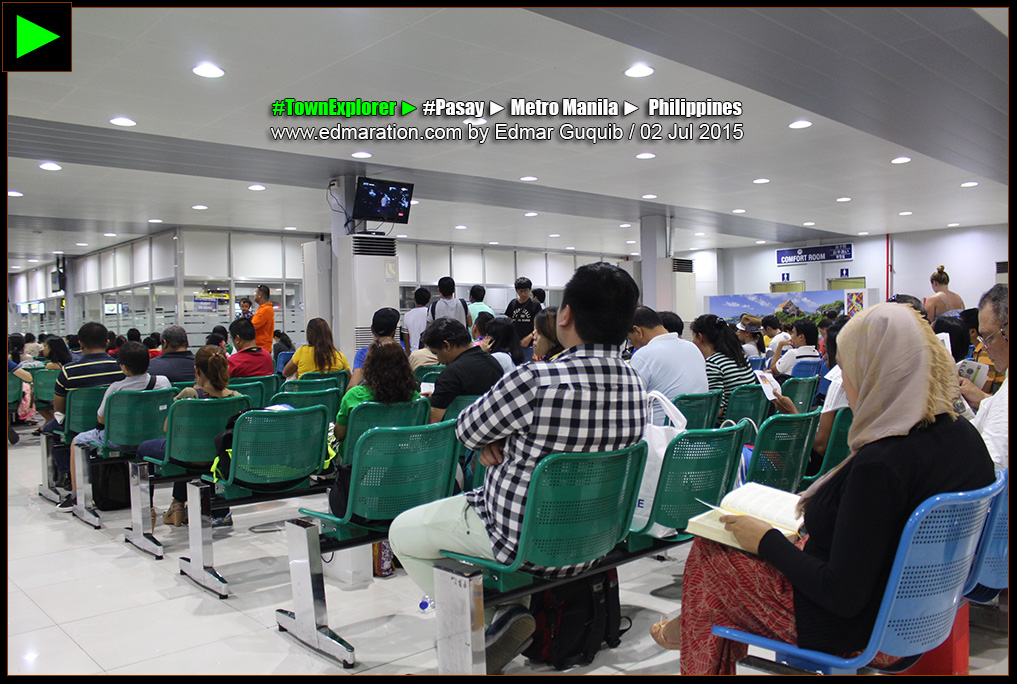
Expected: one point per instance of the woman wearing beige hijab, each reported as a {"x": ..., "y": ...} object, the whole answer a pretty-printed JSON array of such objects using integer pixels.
[{"x": 823, "y": 592}]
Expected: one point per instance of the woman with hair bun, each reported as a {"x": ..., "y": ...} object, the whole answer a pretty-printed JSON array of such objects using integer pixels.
[
  {"x": 726, "y": 365},
  {"x": 943, "y": 302}
]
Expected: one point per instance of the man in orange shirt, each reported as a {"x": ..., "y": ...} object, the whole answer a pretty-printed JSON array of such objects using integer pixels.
[{"x": 264, "y": 318}]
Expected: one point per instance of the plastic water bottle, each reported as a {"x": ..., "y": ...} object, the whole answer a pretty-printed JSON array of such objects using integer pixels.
[{"x": 426, "y": 604}]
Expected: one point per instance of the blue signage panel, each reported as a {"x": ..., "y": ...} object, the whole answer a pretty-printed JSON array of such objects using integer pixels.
[{"x": 811, "y": 255}]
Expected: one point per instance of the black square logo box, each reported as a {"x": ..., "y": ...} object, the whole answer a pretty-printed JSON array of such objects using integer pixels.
[{"x": 36, "y": 19}]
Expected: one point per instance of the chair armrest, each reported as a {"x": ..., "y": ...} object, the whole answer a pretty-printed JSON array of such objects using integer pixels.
[{"x": 818, "y": 657}]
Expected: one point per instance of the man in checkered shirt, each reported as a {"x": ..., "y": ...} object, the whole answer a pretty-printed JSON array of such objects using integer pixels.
[{"x": 586, "y": 400}]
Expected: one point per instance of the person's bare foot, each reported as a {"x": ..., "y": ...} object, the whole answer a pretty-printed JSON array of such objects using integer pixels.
[{"x": 666, "y": 633}]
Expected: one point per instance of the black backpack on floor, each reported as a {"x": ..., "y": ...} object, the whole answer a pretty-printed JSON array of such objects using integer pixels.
[{"x": 574, "y": 619}]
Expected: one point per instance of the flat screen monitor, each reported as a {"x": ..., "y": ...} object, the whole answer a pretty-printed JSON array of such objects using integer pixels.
[{"x": 382, "y": 200}]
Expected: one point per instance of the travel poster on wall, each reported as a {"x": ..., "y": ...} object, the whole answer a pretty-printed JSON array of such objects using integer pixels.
[{"x": 787, "y": 306}]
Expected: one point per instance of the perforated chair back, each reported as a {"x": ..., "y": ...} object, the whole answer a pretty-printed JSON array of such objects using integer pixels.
[
  {"x": 309, "y": 385},
  {"x": 837, "y": 448},
  {"x": 431, "y": 377},
  {"x": 192, "y": 425},
  {"x": 270, "y": 382},
  {"x": 781, "y": 450},
  {"x": 990, "y": 572},
  {"x": 254, "y": 390},
  {"x": 806, "y": 368},
  {"x": 330, "y": 398},
  {"x": 801, "y": 391},
  {"x": 372, "y": 414},
  {"x": 45, "y": 382},
  {"x": 923, "y": 592},
  {"x": 424, "y": 370},
  {"x": 342, "y": 378},
  {"x": 578, "y": 508},
  {"x": 134, "y": 417},
  {"x": 700, "y": 410},
  {"x": 181, "y": 385},
  {"x": 458, "y": 404},
  {"x": 281, "y": 360},
  {"x": 277, "y": 449},
  {"x": 398, "y": 468},
  {"x": 757, "y": 363},
  {"x": 747, "y": 401},
  {"x": 14, "y": 390},
  {"x": 81, "y": 410},
  {"x": 699, "y": 464}
]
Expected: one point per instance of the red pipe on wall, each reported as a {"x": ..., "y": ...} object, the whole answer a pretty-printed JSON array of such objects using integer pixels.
[{"x": 889, "y": 268}]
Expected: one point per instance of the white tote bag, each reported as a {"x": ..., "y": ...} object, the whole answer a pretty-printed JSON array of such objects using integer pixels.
[{"x": 657, "y": 438}]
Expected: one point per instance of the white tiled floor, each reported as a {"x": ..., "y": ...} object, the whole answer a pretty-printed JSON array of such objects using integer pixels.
[{"x": 81, "y": 601}]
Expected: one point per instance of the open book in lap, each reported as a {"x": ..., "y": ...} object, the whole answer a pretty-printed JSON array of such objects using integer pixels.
[{"x": 768, "y": 504}]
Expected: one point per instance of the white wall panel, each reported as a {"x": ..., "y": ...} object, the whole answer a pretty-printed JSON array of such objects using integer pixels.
[
  {"x": 124, "y": 272},
  {"x": 38, "y": 284},
  {"x": 560, "y": 268},
  {"x": 501, "y": 266},
  {"x": 163, "y": 256},
  {"x": 107, "y": 270},
  {"x": 142, "y": 256},
  {"x": 19, "y": 288},
  {"x": 407, "y": 254},
  {"x": 467, "y": 267},
  {"x": 434, "y": 263},
  {"x": 294, "y": 257},
  {"x": 533, "y": 266},
  {"x": 90, "y": 269},
  {"x": 205, "y": 254},
  {"x": 257, "y": 256}
]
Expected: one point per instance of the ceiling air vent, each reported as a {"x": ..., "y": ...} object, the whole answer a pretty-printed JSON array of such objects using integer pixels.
[
  {"x": 681, "y": 265},
  {"x": 373, "y": 246},
  {"x": 1002, "y": 266}
]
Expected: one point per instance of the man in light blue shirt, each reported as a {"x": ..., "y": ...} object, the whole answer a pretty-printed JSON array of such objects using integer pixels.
[{"x": 665, "y": 361}]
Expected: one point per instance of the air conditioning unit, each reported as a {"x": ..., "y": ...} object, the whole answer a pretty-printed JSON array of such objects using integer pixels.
[{"x": 676, "y": 288}]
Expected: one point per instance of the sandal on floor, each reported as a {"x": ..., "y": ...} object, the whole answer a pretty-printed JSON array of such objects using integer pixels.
[
  {"x": 175, "y": 515},
  {"x": 657, "y": 632}
]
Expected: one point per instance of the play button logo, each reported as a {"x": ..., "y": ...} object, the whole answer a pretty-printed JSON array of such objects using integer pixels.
[{"x": 37, "y": 36}]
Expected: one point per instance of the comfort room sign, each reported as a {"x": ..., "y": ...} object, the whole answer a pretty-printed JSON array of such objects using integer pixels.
[{"x": 811, "y": 255}]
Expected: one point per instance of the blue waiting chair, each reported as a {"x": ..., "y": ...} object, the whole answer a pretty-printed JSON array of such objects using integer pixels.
[
  {"x": 923, "y": 592},
  {"x": 807, "y": 368},
  {"x": 990, "y": 573},
  {"x": 281, "y": 361},
  {"x": 758, "y": 363}
]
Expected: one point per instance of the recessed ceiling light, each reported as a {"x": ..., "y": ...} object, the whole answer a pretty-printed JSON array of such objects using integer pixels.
[
  {"x": 700, "y": 234},
  {"x": 402, "y": 236},
  {"x": 109, "y": 234},
  {"x": 864, "y": 232},
  {"x": 461, "y": 227},
  {"x": 969, "y": 184},
  {"x": 905, "y": 213},
  {"x": 155, "y": 220},
  {"x": 634, "y": 253},
  {"x": 843, "y": 199},
  {"x": 15, "y": 267},
  {"x": 639, "y": 70},
  {"x": 649, "y": 196},
  {"x": 208, "y": 70},
  {"x": 570, "y": 248},
  {"x": 624, "y": 225},
  {"x": 492, "y": 243},
  {"x": 801, "y": 123},
  {"x": 290, "y": 228},
  {"x": 58, "y": 251},
  {"x": 645, "y": 155},
  {"x": 361, "y": 155},
  {"x": 630, "y": 242},
  {"x": 900, "y": 160},
  {"x": 15, "y": 193},
  {"x": 123, "y": 121},
  {"x": 952, "y": 225},
  {"x": 33, "y": 261},
  {"x": 554, "y": 235},
  {"x": 761, "y": 181},
  {"x": 809, "y": 223},
  {"x": 257, "y": 187},
  {"x": 81, "y": 244},
  {"x": 199, "y": 207},
  {"x": 475, "y": 121},
  {"x": 49, "y": 166},
  {"x": 414, "y": 201},
  {"x": 737, "y": 211},
  {"x": 528, "y": 179},
  {"x": 530, "y": 214},
  {"x": 760, "y": 242}
]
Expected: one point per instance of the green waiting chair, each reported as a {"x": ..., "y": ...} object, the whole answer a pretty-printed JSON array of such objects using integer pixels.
[
  {"x": 396, "y": 469},
  {"x": 14, "y": 391},
  {"x": 273, "y": 451},
  {"x": 578, "y": 508},
  {"x": 425, "y": 370},
  {"x": 191, "y": 427},
  {"x": 700, "y": 410},
  {"x": 133, "y": 418},
  {"x": 801, "y": 391},
  {"x": 700, "y": 465},
  {"x": 309, "y": 384},
  {"x": 781, "y": 450},
  {"x": 372, "y": 414},
  {"x": 254, "y": 390},
  {"x": 451, "y": 413},
  {"x": 747, "y": 401},
  {"x": 270, "y": 382},
  {"x": 342, "y": 378},
  {"x": 181, "y": 385},
  {"x": 837, "y": 448},
  {"x": 329, "y": 397},
  {"x": 81, "y": 411},
  {"x": 45, "y": 383}
]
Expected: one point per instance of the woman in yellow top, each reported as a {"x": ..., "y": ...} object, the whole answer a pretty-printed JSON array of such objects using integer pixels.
[{"x": 319, "y": 354}]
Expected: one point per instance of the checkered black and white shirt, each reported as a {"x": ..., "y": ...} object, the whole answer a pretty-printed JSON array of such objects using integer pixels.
[{"x": 587, "y": 399}]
